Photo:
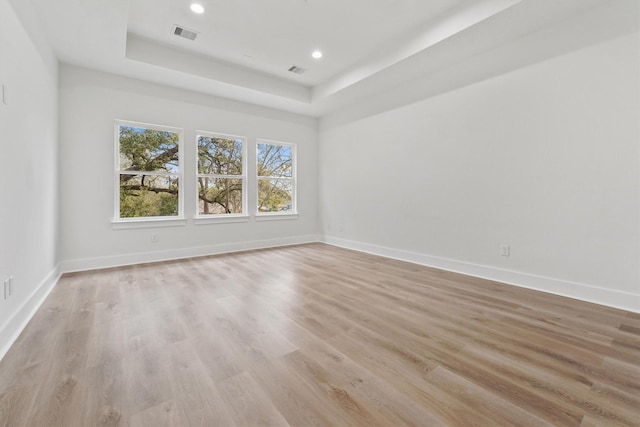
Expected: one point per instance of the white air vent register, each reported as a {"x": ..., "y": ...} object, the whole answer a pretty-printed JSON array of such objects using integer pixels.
[{"x": 184, "y": 32}]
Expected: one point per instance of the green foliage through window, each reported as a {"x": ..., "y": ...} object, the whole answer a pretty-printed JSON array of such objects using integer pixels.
[
  {"x": 220, "y": 175},
  {"x": 149, "y": 167},
  {"x": 149, "y": 171},
  {"x": 275, "y": 169}
]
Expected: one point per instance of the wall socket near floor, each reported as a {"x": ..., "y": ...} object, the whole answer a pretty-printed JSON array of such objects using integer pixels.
[
  {"x": 8, "y": 287},
  {"x": 154, "y": 238},
  {"x": 505, "y": 250}
]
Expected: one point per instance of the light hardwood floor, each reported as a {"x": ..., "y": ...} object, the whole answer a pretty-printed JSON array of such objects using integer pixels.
[{"x": 315, "y": 335}]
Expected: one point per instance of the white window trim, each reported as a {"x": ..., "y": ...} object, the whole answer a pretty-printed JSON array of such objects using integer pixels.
[
  {"x": 223, "y": 218},
  {"x": 146, "y": 222},
  {"x": 272, "y": 216}
]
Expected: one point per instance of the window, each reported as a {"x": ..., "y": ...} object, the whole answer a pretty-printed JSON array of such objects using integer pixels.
[
  {"x": 221, "y": 174},
  {"x": 148, "y": 178},
  {"x": 276, "y": 170}
]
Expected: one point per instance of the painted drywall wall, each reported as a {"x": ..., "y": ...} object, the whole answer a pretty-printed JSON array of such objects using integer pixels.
[
  {"x": 91, "y": 101},
  {"x": 545, "y": 159},
  {"x": 28, "y": 175}
]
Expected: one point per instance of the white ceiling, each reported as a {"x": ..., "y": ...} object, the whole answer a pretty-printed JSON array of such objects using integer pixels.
[
  {"x": 245, "y": 47},
  {"x": 273, "y": 35}
]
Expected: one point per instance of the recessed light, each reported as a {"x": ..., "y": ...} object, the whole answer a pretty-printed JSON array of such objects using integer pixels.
[
  {"x": 197, "y": 8},
  {"x": 317, "y": 54}
]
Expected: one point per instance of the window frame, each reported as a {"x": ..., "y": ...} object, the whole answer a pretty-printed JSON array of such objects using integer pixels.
[
  {"x": 293, "y": 212},
  {"x": 162, "y": 221},
  {"x": 231, "y": 217}
]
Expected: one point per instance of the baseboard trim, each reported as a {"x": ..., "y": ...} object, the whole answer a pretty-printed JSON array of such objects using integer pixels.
[
  {"x": 12, "y": 328},
  {"x": 173, "y": 254},
  {"x": 580, "y": 291}
]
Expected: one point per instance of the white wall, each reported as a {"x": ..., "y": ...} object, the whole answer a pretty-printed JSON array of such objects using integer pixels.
[
  {"x": 28, "y": 174},
  {"x": 545, "y": 158},
  {"x": 91, "y": 101}
]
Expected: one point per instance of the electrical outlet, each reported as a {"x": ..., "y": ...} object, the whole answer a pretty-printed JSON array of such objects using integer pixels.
[
  {"x": 505, "y": 250},
  {"x": 154, "y": 238}
]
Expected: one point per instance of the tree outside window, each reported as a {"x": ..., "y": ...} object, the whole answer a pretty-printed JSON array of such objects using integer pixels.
[
  {"x": 148, "y": 171},
  {"x": 276, "y": 177},
  {"x": 221, "y": 179}
]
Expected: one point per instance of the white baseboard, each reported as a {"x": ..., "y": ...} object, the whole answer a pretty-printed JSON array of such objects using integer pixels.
[
  {"x": 173, "y": 254},
  {"x": 580, "y": 291},
  {"x": 12, "y": 328}
]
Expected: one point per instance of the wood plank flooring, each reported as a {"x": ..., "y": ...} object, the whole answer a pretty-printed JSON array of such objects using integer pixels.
[{"x": 314, "y": 335}]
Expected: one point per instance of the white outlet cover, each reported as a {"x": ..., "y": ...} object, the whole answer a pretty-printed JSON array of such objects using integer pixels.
[{"x": 505, "y": 250}]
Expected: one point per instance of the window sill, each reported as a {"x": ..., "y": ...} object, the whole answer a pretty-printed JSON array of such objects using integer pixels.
[
  {"x": 147, "y": 223},
  {"x": 276, "y": 216},
  {"x": 220, "y": 219}
]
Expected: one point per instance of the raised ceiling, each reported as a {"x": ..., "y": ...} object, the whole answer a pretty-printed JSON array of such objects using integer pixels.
[
  {"x": 245, "y": 47},
  {"x": 273, "y": 35}
]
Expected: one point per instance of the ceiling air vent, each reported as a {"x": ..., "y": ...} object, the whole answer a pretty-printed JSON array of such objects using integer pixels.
[
  {"x": 184, "y": 32},
  {"x": 297, "y": 70}
]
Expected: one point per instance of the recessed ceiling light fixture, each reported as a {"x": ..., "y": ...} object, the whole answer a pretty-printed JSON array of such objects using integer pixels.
[
  {"x": 316, "y": 54},
  {"x": 197, "y": 8}
]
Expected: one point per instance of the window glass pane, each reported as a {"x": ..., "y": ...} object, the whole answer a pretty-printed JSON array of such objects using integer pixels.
[
  {"x": 148, "y": 150},
  {"x": 275, "y": 160},
  {"x": 275, "y": 195},
  {"x": 219, "y": 196},
  {"x": 145, "y": 196},
  {"x": 219, "y": 156}
]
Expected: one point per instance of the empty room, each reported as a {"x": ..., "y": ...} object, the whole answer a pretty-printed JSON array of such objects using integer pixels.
[{"x": 320, "y": 213}]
